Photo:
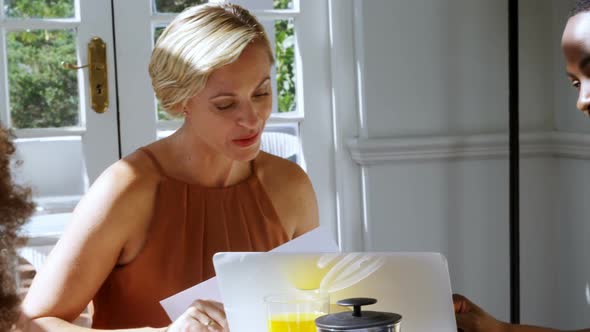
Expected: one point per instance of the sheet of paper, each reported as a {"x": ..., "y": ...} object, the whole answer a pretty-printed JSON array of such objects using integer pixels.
[{"x": 317, "y": 240}]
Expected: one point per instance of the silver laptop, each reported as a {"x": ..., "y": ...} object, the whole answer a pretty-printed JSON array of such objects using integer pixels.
[{"x": 414, "y": 285}]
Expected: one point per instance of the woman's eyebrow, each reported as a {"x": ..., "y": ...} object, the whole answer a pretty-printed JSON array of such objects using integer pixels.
[
  {"x": 264, "y": 80},
  {"x": 231, "y": 94}
]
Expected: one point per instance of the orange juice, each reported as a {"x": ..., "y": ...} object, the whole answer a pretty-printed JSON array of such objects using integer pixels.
[{"x": 293, "y": 322}]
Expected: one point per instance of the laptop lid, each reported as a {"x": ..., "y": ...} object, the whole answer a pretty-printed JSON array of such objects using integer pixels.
[{"x": 415, "y": 285}]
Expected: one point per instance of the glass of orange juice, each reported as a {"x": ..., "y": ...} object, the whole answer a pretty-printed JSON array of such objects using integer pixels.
[{"x": 296, "y": 311}]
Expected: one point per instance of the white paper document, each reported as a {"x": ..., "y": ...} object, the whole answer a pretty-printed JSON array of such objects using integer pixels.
[{"x": 317, "y": 240}]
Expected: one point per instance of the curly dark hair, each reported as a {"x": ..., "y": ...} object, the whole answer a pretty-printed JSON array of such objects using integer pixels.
[
  {"x": 580, "y": 7},
  {"x": 15, "y": 207}
]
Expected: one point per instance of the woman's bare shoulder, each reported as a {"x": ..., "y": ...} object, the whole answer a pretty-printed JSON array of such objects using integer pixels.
[
  {"x": 277, "y": 171},
  {"x": 290, "y": 191},
  {"x": 138, "y": 166},
  {"x": 127, "y": 181}
]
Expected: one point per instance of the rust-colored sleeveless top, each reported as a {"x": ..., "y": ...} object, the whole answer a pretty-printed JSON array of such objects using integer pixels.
[{"x": 189, "y": 225}]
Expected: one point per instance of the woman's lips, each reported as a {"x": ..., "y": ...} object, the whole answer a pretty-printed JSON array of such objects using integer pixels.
[{"x": 247, "y": 141}]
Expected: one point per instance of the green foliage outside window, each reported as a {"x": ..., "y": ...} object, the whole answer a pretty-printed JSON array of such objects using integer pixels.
[
  {"x": 285, "y": 65},
  {"x": 39, "y": 8},
  {"x": 162, "y": 114},
  {"x": 42, "y": 93},
  {"x": 285, "y": 59},
  {"x": 282, "y": 4}
]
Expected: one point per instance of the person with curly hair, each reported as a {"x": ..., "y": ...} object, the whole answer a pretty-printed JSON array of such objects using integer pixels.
[
  {"x": 575, "y": 44},
  {"x": 15, "y": 207}
]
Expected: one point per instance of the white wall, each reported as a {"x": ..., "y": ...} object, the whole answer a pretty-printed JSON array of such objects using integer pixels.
[
  {"x": 434, "y": 69},
  {"x": 538, "y": 183},
  {"x": 438, "y": 68},
  {"x": 572, "y": 232},
  {"x": 453, "y": 207},
  {"x": 538, "y": 243}
]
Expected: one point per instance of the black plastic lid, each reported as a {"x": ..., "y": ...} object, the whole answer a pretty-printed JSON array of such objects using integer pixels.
[{"x": 344, "y": 321}]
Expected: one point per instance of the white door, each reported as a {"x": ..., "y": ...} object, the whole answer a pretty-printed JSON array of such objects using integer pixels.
[{"x": 62, "y": 142}]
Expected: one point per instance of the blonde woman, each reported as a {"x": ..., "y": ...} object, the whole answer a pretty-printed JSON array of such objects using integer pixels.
[
  {"x": 576, "y": 48},
  {"x": 149, "y": 226}
]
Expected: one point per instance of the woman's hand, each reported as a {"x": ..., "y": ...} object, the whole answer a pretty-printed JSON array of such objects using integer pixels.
[
  {"x": 471, "y": 318},
  {"x": 201, "y": 316}
]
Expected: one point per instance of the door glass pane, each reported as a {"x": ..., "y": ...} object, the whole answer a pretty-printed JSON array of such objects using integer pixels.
[
  {"x": 162, "y": 114},
  {"x": 174, "y": 6},
  {"x": 282, "y": 4},
  {"x": 42, "y": 93},
  {"x": 284, "y": 41},
  {"x": 39, "y": 8},
  {"x": 157, "y": 32}
]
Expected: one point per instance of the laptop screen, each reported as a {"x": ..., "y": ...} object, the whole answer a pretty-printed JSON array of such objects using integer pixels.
[{"x": 413, "y": 285}]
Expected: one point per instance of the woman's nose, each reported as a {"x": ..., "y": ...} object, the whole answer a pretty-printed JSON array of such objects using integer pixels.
[
  {"x": 583, "y": 103},
  {"x": 248, "y": 117}
]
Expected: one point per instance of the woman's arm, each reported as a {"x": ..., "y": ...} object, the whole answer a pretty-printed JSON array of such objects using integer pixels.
[
  {"x": 472, "y": 318},
  {"x": 55, "y": 324},
  {"x": 104, "y": 231},
  {"x": 528, "y": 328}
]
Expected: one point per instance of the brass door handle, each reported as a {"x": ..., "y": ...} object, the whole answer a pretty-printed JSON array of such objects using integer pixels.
[{"x": 97, "y": 64}]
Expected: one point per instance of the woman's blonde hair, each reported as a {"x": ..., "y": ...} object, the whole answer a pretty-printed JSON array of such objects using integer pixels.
[{"x": 198, "y": 41}]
